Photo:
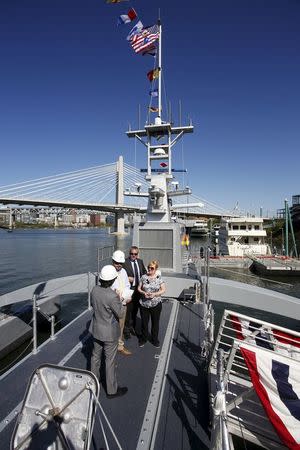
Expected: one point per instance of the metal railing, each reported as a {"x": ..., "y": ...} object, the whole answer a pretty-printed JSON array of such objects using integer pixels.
[
  {"x": 50, "y": 318},
  {"x": 104, "y": 255},
  {"x": 200, "y": 263},
  {"x": 36, "y": 309},
  {"x": 240, "y": 327}
]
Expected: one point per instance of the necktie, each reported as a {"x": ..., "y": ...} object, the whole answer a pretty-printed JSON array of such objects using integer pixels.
[{"x": 136, "y": 273}]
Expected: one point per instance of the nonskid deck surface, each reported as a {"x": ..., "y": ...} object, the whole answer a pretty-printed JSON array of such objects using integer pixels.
[
  {"x": 125, "y": 414},
  {"x": 184, "y": 413},
  {"x": 136, "y": 372}
]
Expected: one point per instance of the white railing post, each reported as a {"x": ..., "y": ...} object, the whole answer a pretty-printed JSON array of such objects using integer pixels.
[
  {"x": 52, "y": 318},
  {"x": 89, "y": 292},
  {"x": 119, "y": 215},
  {"x": 207, "y": 274},
  {"x": 34, "y": 323},
  {"x": 220, "y": 435},
  {"x": 98, "y": 260}
]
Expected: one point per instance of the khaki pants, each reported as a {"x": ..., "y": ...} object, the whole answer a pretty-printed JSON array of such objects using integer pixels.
[{"x": 122, "y": 323}]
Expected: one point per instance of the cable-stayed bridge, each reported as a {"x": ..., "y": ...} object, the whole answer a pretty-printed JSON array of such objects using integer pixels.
[{"x": 106, "y": 188}]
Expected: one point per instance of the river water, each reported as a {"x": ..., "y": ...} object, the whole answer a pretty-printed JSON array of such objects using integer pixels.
[{"x": 32, "y": 256}]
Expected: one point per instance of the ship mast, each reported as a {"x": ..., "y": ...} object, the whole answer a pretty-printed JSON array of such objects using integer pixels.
[
  {"x": 159, "y": 138},
  {"x": 160, "y": 69}
]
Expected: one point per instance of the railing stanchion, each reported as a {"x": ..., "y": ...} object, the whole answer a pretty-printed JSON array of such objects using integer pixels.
[
  {"x": 34, "y": 323},
  {"x": 207, "y": 276},
  {"x": 89, "y": 291},
  {"x": 52, "y": 327}
]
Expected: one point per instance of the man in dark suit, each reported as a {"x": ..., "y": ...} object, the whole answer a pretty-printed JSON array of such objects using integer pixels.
[
  {"x": 135, "y": 268},
  {"x": 107, "y": 311}
]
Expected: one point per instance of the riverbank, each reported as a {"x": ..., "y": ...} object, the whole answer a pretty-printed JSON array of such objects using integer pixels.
[{"x": 46, "y": 226}]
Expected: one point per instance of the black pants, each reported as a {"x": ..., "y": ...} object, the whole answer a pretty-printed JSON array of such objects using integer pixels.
[
  {"x": 132, "y": 310},
  {"x": 154, "y": 313}
]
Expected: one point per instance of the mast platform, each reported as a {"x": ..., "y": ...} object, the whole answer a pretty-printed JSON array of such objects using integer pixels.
[{"x": 161, "y": 129}]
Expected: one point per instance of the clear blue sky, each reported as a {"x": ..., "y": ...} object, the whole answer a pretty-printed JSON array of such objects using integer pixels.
[{"x": 70, "y": 84}]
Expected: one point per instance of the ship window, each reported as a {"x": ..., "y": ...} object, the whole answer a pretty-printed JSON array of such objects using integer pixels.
[
  {"x": 256, "y": 239},
  {"x": 235, "y": 227},
  {"x": 246, "y": 240},
  {"x": 243, "y": 227},
  {"x": 249, "y": 227},
  {"x": 256, "y": 227}
]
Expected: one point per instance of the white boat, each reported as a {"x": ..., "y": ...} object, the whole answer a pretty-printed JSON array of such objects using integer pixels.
[{"x": 241, "y": 236}]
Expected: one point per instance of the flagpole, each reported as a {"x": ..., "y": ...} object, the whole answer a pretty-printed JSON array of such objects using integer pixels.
[{"x": 160, "y": 70}]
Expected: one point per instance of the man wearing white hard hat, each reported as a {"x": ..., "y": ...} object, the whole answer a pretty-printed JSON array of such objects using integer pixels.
[
  {"x": 108, "y": 311},
  {"x": 122, "y": 287}
]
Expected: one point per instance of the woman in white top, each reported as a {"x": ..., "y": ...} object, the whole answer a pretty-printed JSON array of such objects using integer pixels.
[{"x": 151, "y": 287}]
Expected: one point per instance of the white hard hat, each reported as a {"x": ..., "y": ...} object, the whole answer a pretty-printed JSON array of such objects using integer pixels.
[
  {"x": 118, "y": 256},
  {"x": 108, "y": 273}
]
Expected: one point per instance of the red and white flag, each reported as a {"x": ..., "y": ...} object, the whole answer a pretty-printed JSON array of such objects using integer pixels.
[{"x": 127, "y": 18}]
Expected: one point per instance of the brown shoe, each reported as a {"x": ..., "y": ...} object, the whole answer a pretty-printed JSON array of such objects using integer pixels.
[{"x": 125, "y": 351}]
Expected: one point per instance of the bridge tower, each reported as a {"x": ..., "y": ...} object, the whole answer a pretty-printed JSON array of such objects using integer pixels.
[
  {"x": 55, "y": 221},
  {"x": 12, "y": 223},
  {"x": 119, "y": 215}
]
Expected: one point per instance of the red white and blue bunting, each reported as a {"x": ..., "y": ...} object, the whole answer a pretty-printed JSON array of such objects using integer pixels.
[{"x": 276, "y": 381}]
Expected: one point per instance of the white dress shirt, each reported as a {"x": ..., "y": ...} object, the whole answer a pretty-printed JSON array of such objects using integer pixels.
[{"x": 122, "y": 285}]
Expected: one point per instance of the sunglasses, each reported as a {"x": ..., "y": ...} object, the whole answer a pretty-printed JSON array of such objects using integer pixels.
[
  {"x": 135, "y": 254},
  {"x": 151, "y": 268}
]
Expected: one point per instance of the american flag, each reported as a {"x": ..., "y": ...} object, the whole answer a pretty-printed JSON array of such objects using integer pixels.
[{"x": 145, "y": 39}]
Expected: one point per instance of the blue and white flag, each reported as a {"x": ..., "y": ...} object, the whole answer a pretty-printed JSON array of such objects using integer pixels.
[
  {"x": 153, "y": 93},
  {"x": 276, "y": 381},
  {"x": 135, "y": 30}
]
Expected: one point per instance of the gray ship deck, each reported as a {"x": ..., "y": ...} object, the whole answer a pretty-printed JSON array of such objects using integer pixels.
[{"x": 180, "y": 425}]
